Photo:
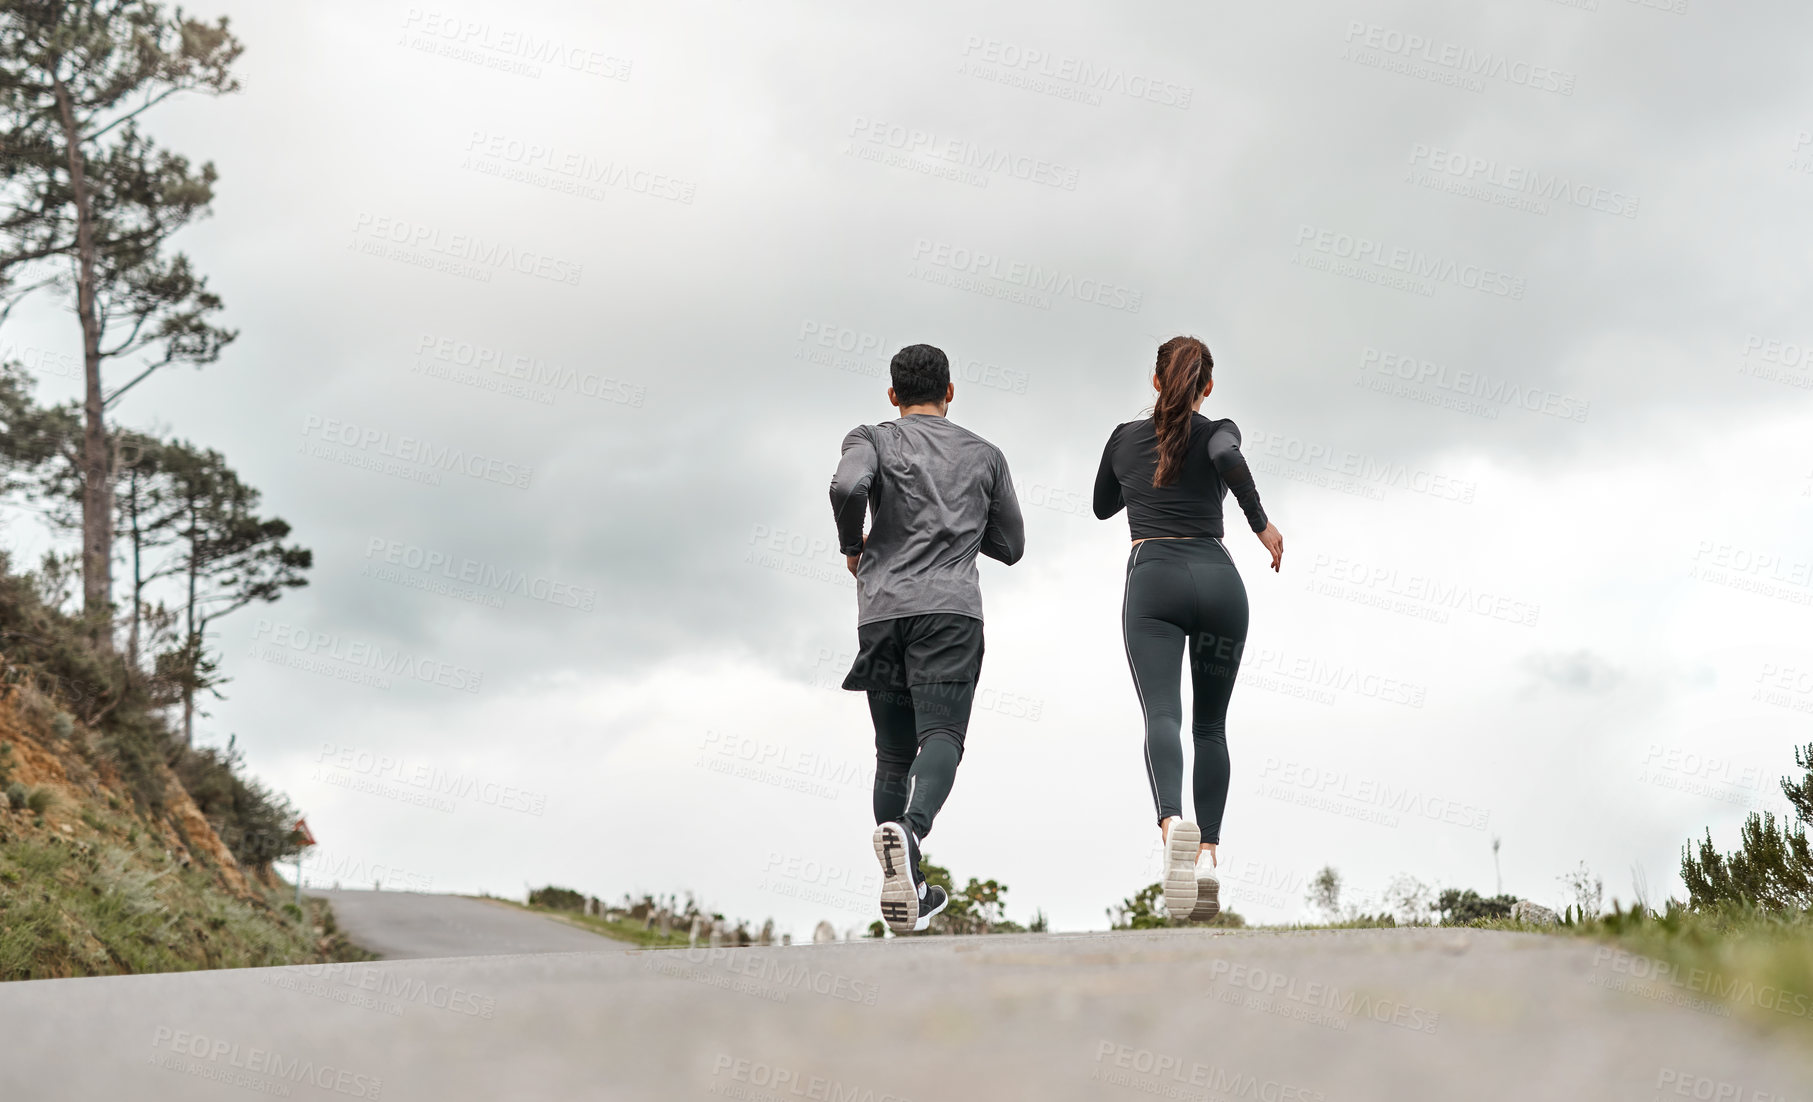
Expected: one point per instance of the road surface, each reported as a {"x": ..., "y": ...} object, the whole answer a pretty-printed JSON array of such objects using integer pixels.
[
  {"x": 404, "y": 925},
  {"x": 1398, "y": 1015}
]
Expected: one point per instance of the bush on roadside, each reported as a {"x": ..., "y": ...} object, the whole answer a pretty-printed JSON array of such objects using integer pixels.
[
  {"x": 557, "y": 899},
  {"x": 1772, "y": 869}
]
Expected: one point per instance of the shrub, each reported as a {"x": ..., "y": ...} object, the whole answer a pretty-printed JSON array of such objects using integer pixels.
[
  {"x": 1459, "y": 908},
  {"x": 252, "y": 822},
  {"x": 557, "y": 899},
  {"x": 1141, "y": 913},
  {"x": 15, "y": 795},
  {"x": 39, "y": 799},
  {"x": 1772, "y": 870}
]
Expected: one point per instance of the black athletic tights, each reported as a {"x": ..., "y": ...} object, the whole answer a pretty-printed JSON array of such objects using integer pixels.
[
  {"x": 1182, "y": 590},
  {"x": 918, "y": 744}
]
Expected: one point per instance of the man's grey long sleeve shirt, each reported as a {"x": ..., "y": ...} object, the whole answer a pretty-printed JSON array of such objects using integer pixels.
[{"x": 939, "y": 496}]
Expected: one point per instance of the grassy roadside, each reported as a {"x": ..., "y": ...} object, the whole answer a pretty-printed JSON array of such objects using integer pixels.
[
  {"x": 111, "y": 899},
  {"x": 1758, "y": 964},
  {"x": 617, "y": 929}
]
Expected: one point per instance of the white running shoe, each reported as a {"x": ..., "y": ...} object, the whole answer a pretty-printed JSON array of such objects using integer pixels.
[
  {"x": 1182, "y": 844},
  {"x": 1208, "y": 894}
]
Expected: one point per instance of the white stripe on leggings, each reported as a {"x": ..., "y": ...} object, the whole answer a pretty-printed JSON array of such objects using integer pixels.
[{"x": 1145, "y": 745}]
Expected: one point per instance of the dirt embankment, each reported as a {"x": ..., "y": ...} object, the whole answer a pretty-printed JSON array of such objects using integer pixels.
[{"x": 94, "y": 881}]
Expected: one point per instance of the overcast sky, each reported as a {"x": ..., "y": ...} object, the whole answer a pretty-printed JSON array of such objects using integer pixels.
[{"x": 1510, "y": 302}]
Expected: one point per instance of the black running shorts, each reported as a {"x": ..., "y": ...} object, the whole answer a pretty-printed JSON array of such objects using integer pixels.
[{"x": 916, "y": 650}]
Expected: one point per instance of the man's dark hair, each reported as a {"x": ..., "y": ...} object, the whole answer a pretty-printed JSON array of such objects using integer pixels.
[{"x": 920, "y": 374}]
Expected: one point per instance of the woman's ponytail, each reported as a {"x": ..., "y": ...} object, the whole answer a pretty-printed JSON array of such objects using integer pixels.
[{"x": 1184, "y": 366}]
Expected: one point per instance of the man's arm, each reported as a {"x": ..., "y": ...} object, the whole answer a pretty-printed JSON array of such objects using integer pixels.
[
  {"x": 1005, "y": 536},
  {"x": 850, "y": 489},
  {"x": 1108, "y": 499}
]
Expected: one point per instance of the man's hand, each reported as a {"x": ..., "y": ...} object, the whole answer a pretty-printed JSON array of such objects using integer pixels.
[
  {"x": 852, "y": 560},
  {"x": 1274, "y": 542}
]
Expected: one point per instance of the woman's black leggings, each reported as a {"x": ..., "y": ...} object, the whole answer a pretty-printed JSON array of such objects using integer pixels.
[{"x": 1185, "y": 591}]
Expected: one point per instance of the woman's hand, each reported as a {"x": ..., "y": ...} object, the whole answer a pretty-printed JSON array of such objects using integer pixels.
[{"x": 1274, "y": 542}]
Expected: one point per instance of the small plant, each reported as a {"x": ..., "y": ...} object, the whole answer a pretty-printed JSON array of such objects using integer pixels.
[
  {"x": 1325, "y": 893},
  {"x": 63, "y": 725},
  {"x": 15, "y": 796},
  {"x": 1141, "y": 912},
  {"x": 1772, "y": 869},
  {"x": 1462, "y": 908},
  {"x": 1588, "y": 892},
  {"x": 6, "y": 764},
  {"x": 557, "y": 899},
  {"x": 38, "y": 800}
]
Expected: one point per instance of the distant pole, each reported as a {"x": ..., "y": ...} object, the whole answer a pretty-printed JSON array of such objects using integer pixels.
[
  {"x": 304, "y": 838},
  {"x": 1497, "y": 877}
]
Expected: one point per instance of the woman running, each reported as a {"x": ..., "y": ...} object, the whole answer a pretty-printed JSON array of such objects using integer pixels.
[{"x": 1170, "y": 471}]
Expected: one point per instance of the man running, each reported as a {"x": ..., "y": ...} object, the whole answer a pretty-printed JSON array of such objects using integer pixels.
[{"x": 938, "y": 494}]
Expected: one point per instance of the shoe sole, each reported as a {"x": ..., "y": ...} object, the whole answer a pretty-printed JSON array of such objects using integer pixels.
[
  {"x": 1181, "y": 849},
  {"x": 899, "y": 895},
  {"x": 1208, "y": 900}
]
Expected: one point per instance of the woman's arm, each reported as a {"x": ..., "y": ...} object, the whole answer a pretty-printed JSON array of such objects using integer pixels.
[
  {"x": 1108, "y": 500},
  {"x": 1224, "y": 451}
]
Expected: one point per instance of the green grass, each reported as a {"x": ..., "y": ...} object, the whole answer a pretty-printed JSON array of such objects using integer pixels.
[
  {"x": 1758, "y": 963},
  {"x": 118, "y": 904},
  {"x": 617, "y": 929}
]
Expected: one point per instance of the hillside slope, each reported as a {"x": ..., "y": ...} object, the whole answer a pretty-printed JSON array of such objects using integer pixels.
[
  {"x": 108, "y": 863},
  {"x": 91, "y": 885}
]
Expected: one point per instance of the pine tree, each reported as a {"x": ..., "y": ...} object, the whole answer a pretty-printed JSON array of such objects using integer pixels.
[
  {"x": 1773, "y": 865},
  {"x": 88, "y": 202}
]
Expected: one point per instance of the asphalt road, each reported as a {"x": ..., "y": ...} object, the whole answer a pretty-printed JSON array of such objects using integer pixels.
[
  {"x": 405, "y": 925},
  {"x": 1399, "y": 1015}
]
